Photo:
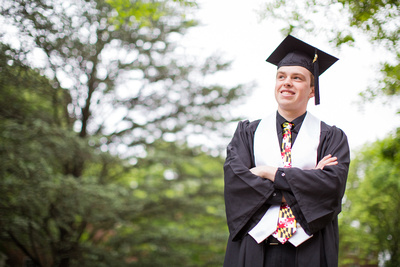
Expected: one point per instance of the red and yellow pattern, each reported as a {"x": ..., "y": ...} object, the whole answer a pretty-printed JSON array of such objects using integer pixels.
[
  {"x": 287, "y": 145},
  {"x": 287, "y": 224}
]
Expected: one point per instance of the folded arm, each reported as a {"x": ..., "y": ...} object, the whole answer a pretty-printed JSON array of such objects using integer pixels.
[{"x": 269, "y": 172}]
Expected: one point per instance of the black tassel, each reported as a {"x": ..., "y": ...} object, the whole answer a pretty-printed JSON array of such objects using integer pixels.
[{"x": 316, "y": 78}]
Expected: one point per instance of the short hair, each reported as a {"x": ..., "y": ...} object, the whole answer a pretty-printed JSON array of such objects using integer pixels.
[{"x": 312, "y": 80}]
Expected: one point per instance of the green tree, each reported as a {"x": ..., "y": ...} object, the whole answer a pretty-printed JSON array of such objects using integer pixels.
[
  {"x": 80, "y": 177},
  {"x": 183, "y": 216},
  {"x": 341, "y": 21},
  {"x": 124, "y": 73},
  {"x": 169, "y": 211},
  {"x": 44, "y": 212},
  {"x": 369, "y": 229}
]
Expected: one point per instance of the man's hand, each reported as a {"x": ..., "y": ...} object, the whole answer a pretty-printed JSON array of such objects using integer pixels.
[
  {"x": 267, "y": 172},
  {"x": 326, "y": 161}
]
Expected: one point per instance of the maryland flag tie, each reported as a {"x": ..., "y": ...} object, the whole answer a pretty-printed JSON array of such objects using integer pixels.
[
  {"x": 287, "y": 145},
  {"x": 286, "y": 222}
]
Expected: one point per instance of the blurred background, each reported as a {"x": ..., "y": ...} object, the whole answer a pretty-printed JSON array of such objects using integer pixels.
[{"x": 115, "y": 116}]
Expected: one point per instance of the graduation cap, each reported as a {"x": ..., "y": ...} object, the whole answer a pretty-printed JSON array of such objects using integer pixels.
[{"x": 294, "y": 52}]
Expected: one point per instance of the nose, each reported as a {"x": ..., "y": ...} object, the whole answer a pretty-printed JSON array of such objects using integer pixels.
[{"x": 287, "y": 82}]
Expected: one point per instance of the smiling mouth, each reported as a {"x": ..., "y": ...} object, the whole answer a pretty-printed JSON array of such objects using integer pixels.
[{"x": 287, "y": 92}]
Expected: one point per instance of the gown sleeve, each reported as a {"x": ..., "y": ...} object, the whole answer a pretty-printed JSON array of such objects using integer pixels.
[
  {"x": 246, "y": 195},
  {"x": 315, "y": 196}
]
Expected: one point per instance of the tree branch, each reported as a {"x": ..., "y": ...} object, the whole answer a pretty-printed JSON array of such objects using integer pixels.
[{"x": 24, "y": 250}]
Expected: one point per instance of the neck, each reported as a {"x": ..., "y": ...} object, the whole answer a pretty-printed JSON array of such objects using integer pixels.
[{"x": 290, "y": 115}]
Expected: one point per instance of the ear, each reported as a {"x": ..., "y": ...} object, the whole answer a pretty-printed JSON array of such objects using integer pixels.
[{"x": 312, "y": 93}]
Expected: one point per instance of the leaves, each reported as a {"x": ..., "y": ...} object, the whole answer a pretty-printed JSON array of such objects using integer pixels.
[
  {"x": 369, "y": 226},
  {"x": 87, "y": 176},
  {"x": 121, "y": 73}
]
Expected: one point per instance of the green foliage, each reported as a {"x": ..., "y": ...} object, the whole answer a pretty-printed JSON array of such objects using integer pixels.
[
  {"x": 369, "y": 226},
  {"x": 391, "y": 82},
  {"x": 87, "y": 178},
  {"x": 44, "y": 209},
  {"x": 377, "y": 18},
  {"x": 145, "y": 12},
  {"x": 182, "y": 220},
  {"x": 118, "y": 69},
  {"x": 164, "y": 210}
]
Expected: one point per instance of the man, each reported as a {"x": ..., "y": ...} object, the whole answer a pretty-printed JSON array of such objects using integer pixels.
[{"x": 282, "y": 203}]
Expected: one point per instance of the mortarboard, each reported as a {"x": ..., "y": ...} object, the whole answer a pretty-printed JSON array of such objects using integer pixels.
[{"x": 294, "y": 52}]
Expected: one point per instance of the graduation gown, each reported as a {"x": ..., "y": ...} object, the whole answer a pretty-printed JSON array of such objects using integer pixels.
[{"x": 313, "y": 195}]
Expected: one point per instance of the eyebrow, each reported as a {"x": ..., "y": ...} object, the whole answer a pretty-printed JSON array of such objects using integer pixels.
[{"x": 294, "y": 73}]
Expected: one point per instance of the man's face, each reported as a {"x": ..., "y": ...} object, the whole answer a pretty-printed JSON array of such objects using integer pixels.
[{"x": 293, "y": 89}]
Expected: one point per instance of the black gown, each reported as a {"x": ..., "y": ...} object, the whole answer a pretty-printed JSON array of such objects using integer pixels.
[{"x": 315, "y": 197}]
